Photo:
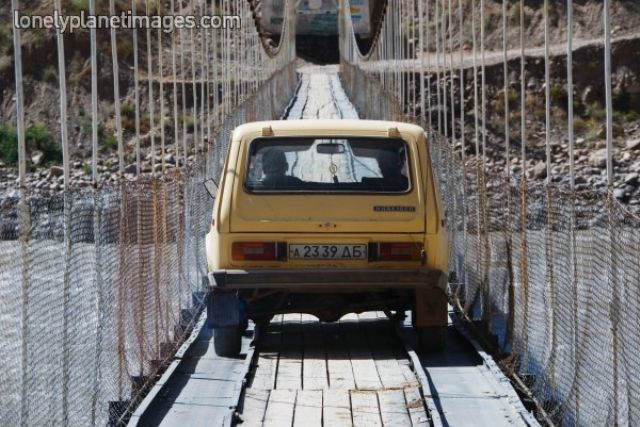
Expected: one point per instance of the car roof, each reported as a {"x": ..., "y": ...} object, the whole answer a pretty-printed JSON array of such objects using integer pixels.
[{"x": 330, "y": 126}]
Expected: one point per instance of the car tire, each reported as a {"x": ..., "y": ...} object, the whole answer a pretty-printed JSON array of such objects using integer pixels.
[
  {"x": 227, "y": 341},
  {"x": 433, "y": 338}
]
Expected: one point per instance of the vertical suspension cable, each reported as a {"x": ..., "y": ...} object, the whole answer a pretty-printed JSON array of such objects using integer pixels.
[
  {"x": 20, "y": 130},
  {"x": 203, "y": 83},
  {"x": 612, "y": 273},
  {"x": 507, "y": 115},
  {"x": 225, "y": 64},
  {"x": 116, "y": 91},
  {"x": 438, "y": 91},
  {"x": 462, "y": 88},
  {"x": 476, "y": 134},
  {"x": 572, "y": 183},
  {"x": 207, "y": 72},
  {"x": 183, "y": 104},
  {"x": 24, "y": 222},
  {"x": 414, "y": 86},
  {"x": 96, "y": 210},
  {"x": 571, "y": 129},
  {"x": 174, "y": 73},
  {"x": 483, "y": 85},
  {"x": 423, "y": 113},
  {"x": 62, "y": 82},
  {"x": 161, "y": 88},
  {"x": 398, "y": 53},
  {"x": 486, "y": 300},
  {"x": 463, "y": 154},
  {"x": 150, "y": 97},
  {"x": 523, "y": 193},
  {"x": 192, "y": 49},
  {"x": 429, "y": 73},
  {"x": 94, "y": 97},
  {"x": 475, "y": 80},
  {"x": 507, "y": 177},
  {"x": 547, "y": 90},
  {"x": 136, "y": 88},
  {"x": 443, "y": 64},
  {"x": 523, "y": 96},
  {"x": 215, "y": 74},
  {"x": 608, "y": 90},
  {"x": 451, "y": 73}
]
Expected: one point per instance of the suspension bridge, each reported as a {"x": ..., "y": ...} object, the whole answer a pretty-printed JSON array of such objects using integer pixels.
[{"x": 103, "y": 276}]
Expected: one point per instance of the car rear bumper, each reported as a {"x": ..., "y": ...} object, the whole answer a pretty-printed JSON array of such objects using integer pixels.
[{"x": 329, "y": 280}]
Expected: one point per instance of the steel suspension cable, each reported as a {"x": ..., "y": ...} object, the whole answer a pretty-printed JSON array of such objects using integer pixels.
[
  {"x": 116, "y": 91},
  {"x": 150, "y": 96},
  {"x": 161, "y": 89},
  {"x": 24, "y": 218},
  {"x": 136, "y": 88}
]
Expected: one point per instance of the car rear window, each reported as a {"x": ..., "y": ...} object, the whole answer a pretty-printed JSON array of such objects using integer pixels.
[{"x": 328, "y": 164}]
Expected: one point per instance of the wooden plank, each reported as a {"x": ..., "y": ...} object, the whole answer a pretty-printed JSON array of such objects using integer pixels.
[
  {"x": 383, "y": 342},
  {"x": 336, "y": 408},
  {"x": 365, "y": 409},
  {"x": 314, "y": 366},
  {"x": 338, "y": 359},
  {"x": 415, "y": 405},
  {"x": 308, "y": 411},
  {"x": 290, "y": 360},
  {"x": 364, "y": 368},
  {"x": 393, "y": 408},
  {"x": 280, "y": 408},
  {"x": 264, "y": 377},
  {"x": 254, "y": 407},
  {"x": 404, "y": 365}
]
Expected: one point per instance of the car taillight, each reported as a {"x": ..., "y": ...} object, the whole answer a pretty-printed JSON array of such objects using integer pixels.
[
  {"x": 255, "y": 251},
  {"x": 399, "y": 251}
]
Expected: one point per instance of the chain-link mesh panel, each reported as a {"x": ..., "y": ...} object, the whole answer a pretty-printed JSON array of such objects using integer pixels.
[
  {"x": 99, "y": 287},
  {"x": 553, "y": 274}
]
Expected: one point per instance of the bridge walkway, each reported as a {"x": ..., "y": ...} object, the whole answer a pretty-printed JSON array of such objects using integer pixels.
[{"x": 360, "y": 371}]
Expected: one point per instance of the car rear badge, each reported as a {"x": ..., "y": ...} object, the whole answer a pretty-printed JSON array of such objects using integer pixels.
[{"x": 394, "y": 208}]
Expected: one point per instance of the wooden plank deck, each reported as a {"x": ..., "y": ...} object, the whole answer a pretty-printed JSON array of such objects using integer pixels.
[{"x": 349, "y": 373}]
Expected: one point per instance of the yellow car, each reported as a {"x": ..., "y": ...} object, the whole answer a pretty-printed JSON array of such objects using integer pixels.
[{"x": 326, "y": 217}]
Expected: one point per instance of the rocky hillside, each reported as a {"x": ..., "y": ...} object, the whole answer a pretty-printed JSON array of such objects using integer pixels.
[
  {"x": 589, "y": 99},
  {"x": 42, "y": 96}
]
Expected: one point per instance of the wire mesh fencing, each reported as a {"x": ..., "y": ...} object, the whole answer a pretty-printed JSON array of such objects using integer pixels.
[
  {"x": 103, "y": 285},
  {"x": 547, "y": 270},
  {"x": 100, "y": 284}
]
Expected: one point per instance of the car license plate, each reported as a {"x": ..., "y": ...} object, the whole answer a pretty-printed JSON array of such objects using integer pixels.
[{"x": 313, "y": 251}]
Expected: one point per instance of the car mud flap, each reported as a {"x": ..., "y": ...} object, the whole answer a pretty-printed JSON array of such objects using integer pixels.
[
  {"x": 431, "y": 305},
  {"x": 225, "y": 309}
]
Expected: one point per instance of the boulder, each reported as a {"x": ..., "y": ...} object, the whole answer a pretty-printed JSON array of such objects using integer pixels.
[
  {"x": 633, "y": 144},
  {"x": 598, "y": 158},
  {"x": 55, "y": 171},
  {"x": 36, "y": 157},
  {"x": 631, "y": 179},
  {"x": 540, "y": 170},
  {"x": 131, "y": 168}
]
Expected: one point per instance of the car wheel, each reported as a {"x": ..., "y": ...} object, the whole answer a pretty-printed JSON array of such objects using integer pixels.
[
  {"x": 432, "y": 338},
  {"x": 227, "y": 341}
]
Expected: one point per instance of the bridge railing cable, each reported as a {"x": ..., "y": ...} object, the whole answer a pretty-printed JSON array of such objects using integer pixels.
[
  {"x": 545, "y": 249},
  {"x": 102, "y": 266}
]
